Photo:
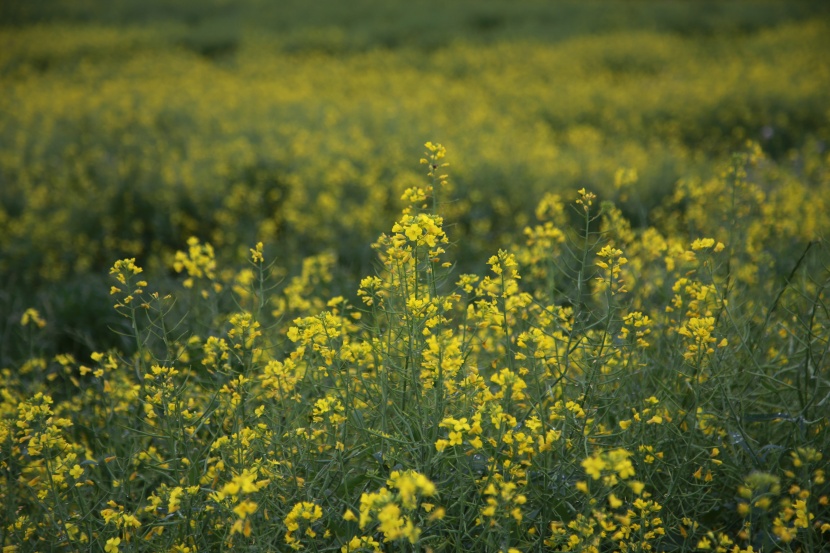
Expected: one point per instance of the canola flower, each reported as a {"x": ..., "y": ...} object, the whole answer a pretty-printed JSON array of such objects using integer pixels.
[
  {"x": 558, "y": 399},
  {"x": 277, "y": 147}
]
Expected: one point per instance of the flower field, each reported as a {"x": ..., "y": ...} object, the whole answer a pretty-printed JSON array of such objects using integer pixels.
[{"x": 420, "y": 278}]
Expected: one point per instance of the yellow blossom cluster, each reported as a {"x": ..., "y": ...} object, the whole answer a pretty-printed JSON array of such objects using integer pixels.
[{"x": 592, "y": 385}]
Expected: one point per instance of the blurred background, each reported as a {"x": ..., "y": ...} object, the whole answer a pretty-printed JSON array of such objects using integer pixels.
[{"x": 127, "y": 127}]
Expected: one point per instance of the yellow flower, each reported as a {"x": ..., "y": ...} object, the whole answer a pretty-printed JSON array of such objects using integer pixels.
[
  {"x": 594, "y": 466},
  {"x": 362, "y": 543},
  {"x": 256, "y": 253},
  {"x": 245, "y": 508},
  {"x": 437, "y": 514},
  {"x": 112, "y": 545},
  {"x": 413, "y": 232},
  {"x": 303, "y": 513},
  {"x": 32, "y": 316},
  {"x": 620, "y": 463},
  {"x": 702, "y": 243}
]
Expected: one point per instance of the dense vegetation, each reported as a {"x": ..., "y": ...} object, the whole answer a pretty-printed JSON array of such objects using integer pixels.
[{"x": 237, "y": 313}]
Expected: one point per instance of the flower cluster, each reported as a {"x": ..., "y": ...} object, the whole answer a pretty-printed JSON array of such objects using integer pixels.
[
  {"x": 589, "y": 387},
  {"x": 396, "y": 513}
]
